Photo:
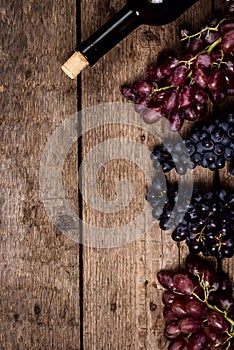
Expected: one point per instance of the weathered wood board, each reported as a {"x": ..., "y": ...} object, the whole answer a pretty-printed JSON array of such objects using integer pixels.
[{"x": 39, "y": 277}]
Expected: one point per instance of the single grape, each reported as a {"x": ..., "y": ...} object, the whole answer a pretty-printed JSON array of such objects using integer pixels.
[
  {"x": 172, "y": 330},
  {"x": 165, "y": 278},
  {"x": 168, "y": 298},
  {"x": 227, "y": 43},
  {"x": 217, "y": 321},
  {"x": 186, "y": 96},
  {"x": 152, "y": 115},
  {"x": 183, "y": 283},
  {"x": 142, "y": 87},
  {"x": 216, "y": 80},
  {"x": 200, "y": 76},
  {"x": 178, "y": 307},
  {"x": 169, "y": 315},
  {"x": 179, "y": 75},
  {"x": 176, "y": 120},
  {"x": 195, "y": 308},
  {"x": 170, "y": 101},
  {"x": 205, "y": 60},
  {"x": 189, "y": 325},
  {"x": 128, "y": 93}
]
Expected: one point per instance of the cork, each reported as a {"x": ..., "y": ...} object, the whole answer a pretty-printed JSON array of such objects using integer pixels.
[{"x": 74, "y": 65}]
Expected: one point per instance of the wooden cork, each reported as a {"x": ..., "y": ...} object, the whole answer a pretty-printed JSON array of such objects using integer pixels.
[{"x": 74, "y": 65}]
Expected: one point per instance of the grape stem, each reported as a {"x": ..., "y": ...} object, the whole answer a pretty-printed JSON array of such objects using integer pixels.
[
  {"x": 215, "y": 29},
  {"x": 214, "y": 308}
]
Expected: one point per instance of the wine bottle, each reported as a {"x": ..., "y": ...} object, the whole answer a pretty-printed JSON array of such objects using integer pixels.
[{"x": 132, "y": 15}]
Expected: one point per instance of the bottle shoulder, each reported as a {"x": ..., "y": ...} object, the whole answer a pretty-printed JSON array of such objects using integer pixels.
[{"x": 159, "y": 12}]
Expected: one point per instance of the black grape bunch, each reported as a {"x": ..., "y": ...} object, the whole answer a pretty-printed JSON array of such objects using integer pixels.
[
  {"x": 209, "y": 145},
  {"x": 179, "y": 89},
  {"x": 198, "y": 307},
  {"x": 206, "y": 222}
]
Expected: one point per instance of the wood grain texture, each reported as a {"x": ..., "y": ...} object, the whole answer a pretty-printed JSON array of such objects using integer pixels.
[{"x": 39, "y": 301}]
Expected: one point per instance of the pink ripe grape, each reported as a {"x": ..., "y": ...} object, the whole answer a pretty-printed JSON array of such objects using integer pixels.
[
  {"x": 178, "y": 307},
  {"x": 196, "y": 45},
  {"x": 227, "y": 43},
  {"x": 216, "y": 80},
  {"x": 152, "y": 115},
  {"x": 154, "y": 73},
  {"x": 170, "y": 101},
  {"x": 217, "y": 321},
  {"x": 229, "y": 77},
  {"x": 178, "y": 344},
  {"x": 142, "y": 87},
  {"x": 169, "y": 315},
  {"x": 186, "y": 96},
  {"x": 205, "y": 60},
  {"x": 165, "y": 278},
  {"x": 128, "y": 93},
  {"x": 179, "y": 75},
  {"x": 141, "y": 104},
  {"x": 195, "y": 308},
  {"x": 176, "y": 119},
  {"x": 160, "y": 96},
  {"x": 183, "y": 283},
  {"x": 172, "y": 330},
  {"x": 191, "y": 114},
  {"x": 200, "y": 76},
  {"x": 190, "y": 325},
  {"x": 168, "y": 298},
  {"x": 200, "y": 95},
  {"x": 168, "y": 66},
  {"x": 226, "y": 26}
]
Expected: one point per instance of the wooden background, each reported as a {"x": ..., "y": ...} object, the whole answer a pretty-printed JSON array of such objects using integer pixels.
[{"x": 54, "y": 293}]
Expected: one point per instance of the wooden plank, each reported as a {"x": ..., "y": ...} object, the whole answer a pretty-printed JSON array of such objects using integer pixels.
[
  {"x": 122, "y": 299},
  {"x": 39, "y": 302},
  {"x": 226, "y": 180}
]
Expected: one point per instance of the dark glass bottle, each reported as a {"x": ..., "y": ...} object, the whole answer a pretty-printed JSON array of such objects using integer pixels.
[{"x": 133, "y": 14}]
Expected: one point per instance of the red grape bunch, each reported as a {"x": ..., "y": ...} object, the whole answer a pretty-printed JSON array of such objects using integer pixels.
[
  {"x": 179, "y": 89},
  {"x": 199, "y": 307}
]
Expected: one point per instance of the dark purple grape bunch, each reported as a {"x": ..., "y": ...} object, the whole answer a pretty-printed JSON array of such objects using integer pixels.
[
  {"x": 179, "y": 89},
  {"x": 206, "y": 221},
  {"x": 208, "y": 225},
  {"x": 199, "y": 307},
  {"x": 209, "y": 146}
]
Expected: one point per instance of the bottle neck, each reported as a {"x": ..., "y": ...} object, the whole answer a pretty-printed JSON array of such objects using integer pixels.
[
  {"x": 134, "y": 13},
  {"x": 110, "y": 34}
]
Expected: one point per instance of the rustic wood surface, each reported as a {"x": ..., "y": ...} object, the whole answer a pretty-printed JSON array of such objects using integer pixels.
[
  {"x": 56, "y": 294},
  {"x": 39, "y": 278}
]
